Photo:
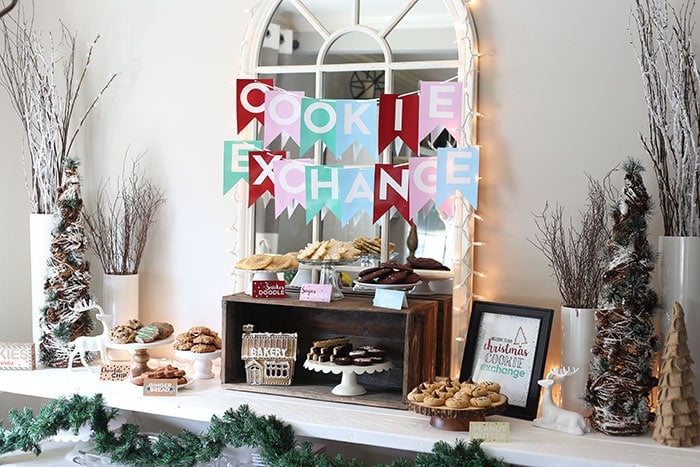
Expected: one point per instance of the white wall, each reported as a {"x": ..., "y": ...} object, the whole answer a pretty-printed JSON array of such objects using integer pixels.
[{"x": 559, "y": 89}]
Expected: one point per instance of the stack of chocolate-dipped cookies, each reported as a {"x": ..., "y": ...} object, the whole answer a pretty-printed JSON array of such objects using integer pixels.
[
  {"x": 341, "y": 352},
  {"x": 198, "y": 339},
  {"x": 455, "y": 395},
  {"x": 389, "y": 272}
]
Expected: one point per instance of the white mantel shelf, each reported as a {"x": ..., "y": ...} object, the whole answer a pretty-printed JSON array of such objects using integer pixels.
[{"x": 386, "y": 428}]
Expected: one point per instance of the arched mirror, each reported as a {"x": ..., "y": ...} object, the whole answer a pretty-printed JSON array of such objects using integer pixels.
[{"x": 359, "y": 49}]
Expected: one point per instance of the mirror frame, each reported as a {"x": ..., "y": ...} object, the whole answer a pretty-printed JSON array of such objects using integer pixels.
[{"x": 466, "y": 66}]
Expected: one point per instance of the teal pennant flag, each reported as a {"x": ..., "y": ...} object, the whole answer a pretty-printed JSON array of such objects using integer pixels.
[
  {"x": 236, "y": 161},
  {"x": 322, "y": 190},
  {"x": 318, "y": 122}
]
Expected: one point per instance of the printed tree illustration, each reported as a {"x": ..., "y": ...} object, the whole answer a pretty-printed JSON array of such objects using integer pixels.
[
  {"x": 68, "y": 277},
  {"x": 677, "y": 415},
  {"x": 620, "y": 378}
]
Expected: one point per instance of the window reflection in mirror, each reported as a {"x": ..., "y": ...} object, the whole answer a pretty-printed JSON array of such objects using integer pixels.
[{"x": 424, "y": 40}]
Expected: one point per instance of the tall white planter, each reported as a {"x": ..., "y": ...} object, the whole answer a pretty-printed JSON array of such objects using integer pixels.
[
  {"x": 577, "y": 334},
  {"x": 40, "y": 226},
  {"x": 679, "y": 269},
  {"x": 121, "y": 296}
]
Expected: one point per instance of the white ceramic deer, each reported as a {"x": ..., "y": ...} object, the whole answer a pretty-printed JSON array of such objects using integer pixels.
[
  {"x": 84, "y": 344},
  {"x": 556, "y": 418}
]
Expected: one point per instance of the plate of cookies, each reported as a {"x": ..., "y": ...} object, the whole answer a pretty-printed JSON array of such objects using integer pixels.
[
  {"x": 328, "y": 252},
  {"x": 451, "y": 405},
  {"x": 134, "y": 334},
  {"x": 268, "y": 262},
  {"x": 199, "y": 340},
  {"x": 164, "y": 372},
  {"x": 388, "y": 275}
]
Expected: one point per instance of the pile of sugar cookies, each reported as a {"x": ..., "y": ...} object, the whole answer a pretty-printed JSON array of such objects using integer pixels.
[
  {"x": 371, "y": 245},
  {"x": 328, "y": 250},
  {"x": 133, "y": 331},
  {"x": 456, "y": 395},
  {"x": 199, "y": 339},
  {"x": 267, "y": 262}
]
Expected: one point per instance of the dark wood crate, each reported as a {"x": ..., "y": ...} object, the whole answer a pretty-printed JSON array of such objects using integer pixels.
[{"x": 409, "y": 337}]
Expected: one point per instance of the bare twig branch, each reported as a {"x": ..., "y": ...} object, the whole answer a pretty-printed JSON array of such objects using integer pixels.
[
  {"x": 671, "y": 83},
  {"x": 118, "y": 226},
  {"x": 28, "y": 72},
  {"x": 576, "y": 254}
]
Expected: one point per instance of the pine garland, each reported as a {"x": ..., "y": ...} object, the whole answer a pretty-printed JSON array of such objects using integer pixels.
[{"x": 241, "y": 427}]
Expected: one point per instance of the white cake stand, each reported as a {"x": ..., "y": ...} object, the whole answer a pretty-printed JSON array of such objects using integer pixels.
[
  {"x": 201, "y": 362},
  {"x": 348, "y": 384}
]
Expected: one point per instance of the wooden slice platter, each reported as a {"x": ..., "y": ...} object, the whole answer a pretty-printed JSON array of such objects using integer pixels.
[{"x": 445, "y": 418}]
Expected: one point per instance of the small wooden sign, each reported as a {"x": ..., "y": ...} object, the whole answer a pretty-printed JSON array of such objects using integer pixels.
[
  {"x": 160, "y": 387},
  {"x": 115, "y": 372},
  {"x": 17, "y": 356},
  {"x": 316, "y": 293},
  {"x": 269, "y": 289},
  {"x": 490, "y": 432}
]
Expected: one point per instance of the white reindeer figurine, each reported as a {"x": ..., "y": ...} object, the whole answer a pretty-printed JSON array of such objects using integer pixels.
[
  {"x": 84, "y": 344},
  {"x": 556, "y": 418}
]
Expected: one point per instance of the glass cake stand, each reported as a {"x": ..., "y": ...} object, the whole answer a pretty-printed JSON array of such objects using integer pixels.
[
  {"x": 328, "y": 274},
  {"x": 348, "y": 384}
]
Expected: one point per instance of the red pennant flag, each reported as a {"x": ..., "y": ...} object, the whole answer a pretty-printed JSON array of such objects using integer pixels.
[
  {"x": 398, "y": 117},
  {"x": 391, "y": 189},
  {"x": 250, "y": 100},
  {"x": 260, "y": 177}
]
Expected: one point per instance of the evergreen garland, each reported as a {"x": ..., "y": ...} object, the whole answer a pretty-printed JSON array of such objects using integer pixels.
[
  {"x": 620, "y": 378},
  {"x": 68, "y": 276},
  {"x": 274, "y": 438}
]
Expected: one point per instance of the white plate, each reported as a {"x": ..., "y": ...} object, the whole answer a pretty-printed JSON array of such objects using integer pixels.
[
  {"x": 186, "y": 384},
  {"x": 374, "y": 286}
]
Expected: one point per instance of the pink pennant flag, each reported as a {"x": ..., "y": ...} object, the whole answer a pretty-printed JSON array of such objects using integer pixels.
[
  {"x": 422, "y": 182},
  {"x": 440, "y": 107},
  {"x": 282, "y": 114},
  {"x": 289, "y": 176}
]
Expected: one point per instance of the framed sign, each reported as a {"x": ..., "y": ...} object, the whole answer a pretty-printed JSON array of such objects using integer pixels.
[{"x": 508, "y": 344}]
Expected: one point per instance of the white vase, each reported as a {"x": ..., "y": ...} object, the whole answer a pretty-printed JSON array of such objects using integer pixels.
[
  {"x": 40, "y": 227},
  {"x": 121, "y": 297},
  {"x": 679, "y": 270},
  {"x": 577, "y": 334}
]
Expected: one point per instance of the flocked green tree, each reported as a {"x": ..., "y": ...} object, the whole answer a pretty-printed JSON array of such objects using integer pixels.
[
  {"x": 620, "y": 378},
  {"x": 68, "y": 275}
]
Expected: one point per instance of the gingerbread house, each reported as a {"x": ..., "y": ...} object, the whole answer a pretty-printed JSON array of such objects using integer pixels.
[{"x": 269, "y": 357}]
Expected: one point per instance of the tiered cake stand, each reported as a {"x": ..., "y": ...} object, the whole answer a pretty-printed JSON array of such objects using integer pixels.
[
  {"x": 348, "y": 384},
  {"x": 140, "y": 352}
]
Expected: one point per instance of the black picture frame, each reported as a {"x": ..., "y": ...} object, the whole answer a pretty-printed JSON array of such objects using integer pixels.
[{"x": 508, "y": 344}]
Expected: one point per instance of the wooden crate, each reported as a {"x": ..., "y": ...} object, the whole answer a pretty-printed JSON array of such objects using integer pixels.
[{"x": 409, "y": 336}]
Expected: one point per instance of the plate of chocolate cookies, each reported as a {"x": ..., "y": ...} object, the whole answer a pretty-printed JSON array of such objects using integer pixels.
[{"x": 388, "y": 275}]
